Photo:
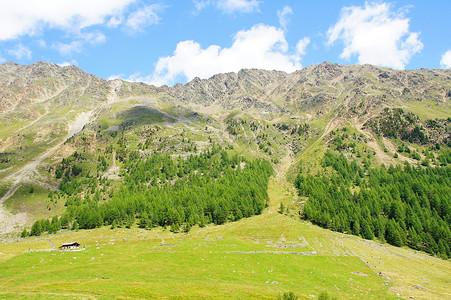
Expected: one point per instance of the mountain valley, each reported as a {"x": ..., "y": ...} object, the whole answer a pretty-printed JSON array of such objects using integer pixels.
[{"x": 210, "y": 186}]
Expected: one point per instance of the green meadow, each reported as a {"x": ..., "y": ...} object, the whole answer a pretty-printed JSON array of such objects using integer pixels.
[{"x": 260, "y": 257}]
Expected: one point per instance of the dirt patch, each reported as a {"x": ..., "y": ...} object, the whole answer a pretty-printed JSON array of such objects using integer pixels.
[
  {"x": 10, "y": 222},
  {"x": 381, "y": 156},
  {"x": 392, "y": 149},
  {"x": 7, "y": 169},
  {"x": 273, "y": 252},
  {"x": 113, "y": 172},
  {"x": 64, "y": 151},
  {"x": 359, "y": 274},
  {"x": 9, "y": 141},
  {"x": 285, "y": 246},
  {"x": 79, "y": 123}
]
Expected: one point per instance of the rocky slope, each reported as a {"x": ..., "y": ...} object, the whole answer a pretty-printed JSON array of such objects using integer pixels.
[
  {"x": 269, "y": 114},
  {"x": 22, "y": 87},
  {"x": 313, "y": 89},
  {"x": 67, "y": 137}
]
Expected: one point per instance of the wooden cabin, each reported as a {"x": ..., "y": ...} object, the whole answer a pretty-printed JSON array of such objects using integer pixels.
[{"x": 69, "y": 246}]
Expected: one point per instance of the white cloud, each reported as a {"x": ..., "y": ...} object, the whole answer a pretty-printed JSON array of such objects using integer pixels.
[
  {"x": 76, "y": 46},
  {"x": 115, "y": 76},
  {"x": 93, "y": 38},
  {"x": 263, "y": 47},
  {"x": 68, "y": 63},
  {"x": 20, "y": 52},
  {"x": 242, "y": 6},
  {"x": 302, "y": 45},
  {"x": 136, "y": 77},
  {"x": 2, "y": 60},
  {"x": 284, "y": 16},
  {"x": 29, "y": 17},
  {"x": 229, "y": 6},
  {"x": 68, "y": 48},
  {"x": 376, "y": 35},
  {"x": 445, "y": 62},
  {"x": 115, "y": 21},
  {"x": 143, "y": 17},
  {"x": 42, "y": 43},
  {"x": 201, "y": 4}
]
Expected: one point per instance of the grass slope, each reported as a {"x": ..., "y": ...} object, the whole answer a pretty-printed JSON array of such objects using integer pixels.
[
  {"x": 36, "y": 203},
  {"x": 219, "y": 262}
]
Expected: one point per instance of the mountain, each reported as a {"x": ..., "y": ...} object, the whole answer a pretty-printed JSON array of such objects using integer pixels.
[
  {"x": 238, "y": 149},
  {"x": 43, "y": 104},
  {"x": 314, "y": 87},
  {"x": 24, "y": 86},
  {"x": 264, "y": 91}
]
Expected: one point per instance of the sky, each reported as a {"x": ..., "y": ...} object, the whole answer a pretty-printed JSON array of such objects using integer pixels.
[{"x": 165, "y": 42}]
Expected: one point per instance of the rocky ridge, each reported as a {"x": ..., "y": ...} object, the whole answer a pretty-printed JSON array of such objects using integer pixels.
[
  {"x": 22, "y": 87},
  {"x": 315, "y": 89}
]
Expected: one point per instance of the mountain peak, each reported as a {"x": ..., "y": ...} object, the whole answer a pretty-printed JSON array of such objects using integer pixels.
[{"x": 43, "y": 64}]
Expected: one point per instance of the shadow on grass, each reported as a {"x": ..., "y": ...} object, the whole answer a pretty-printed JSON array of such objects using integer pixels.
[{"x": 142, "y": 115}]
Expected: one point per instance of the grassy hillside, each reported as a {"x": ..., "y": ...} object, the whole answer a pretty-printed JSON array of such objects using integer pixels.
[
  {"x": 91, "y": 149},
  {"x": 259, "y": 257}
]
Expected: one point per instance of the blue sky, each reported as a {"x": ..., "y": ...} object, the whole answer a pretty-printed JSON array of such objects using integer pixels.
[{"x": 164, "y": 42}]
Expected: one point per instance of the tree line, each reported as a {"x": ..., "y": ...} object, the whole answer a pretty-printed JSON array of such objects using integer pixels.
[
  {"x": 400, "y": 205},
  {"x": 211, "y": 187}
]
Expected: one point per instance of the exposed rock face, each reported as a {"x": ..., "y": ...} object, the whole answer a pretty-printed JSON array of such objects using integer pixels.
[
  {"x": 21, "y": 86},
  {"x": 231, "y": 90},
  {"x": 317, "y": 88}
]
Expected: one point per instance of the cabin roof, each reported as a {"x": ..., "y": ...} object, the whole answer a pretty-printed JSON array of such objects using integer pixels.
[{"x": 70, "y": 244}]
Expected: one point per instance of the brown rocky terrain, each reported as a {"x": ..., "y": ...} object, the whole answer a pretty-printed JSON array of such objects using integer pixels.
[
  {"x": 43, "y": 104},
  {"x": 314, "y": 89},
  {"x": 22, "y": 86}
]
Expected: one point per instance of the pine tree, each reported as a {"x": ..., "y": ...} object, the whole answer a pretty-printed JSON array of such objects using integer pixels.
[
  {"x": 114, "y": 224},
  {"x": 367, "y": 233},
  {"x": 36, "y": 228},
  {"x": 355, "y": 227},
  {"x": 414, "y": 239},
  {"x": 24, "y": 233},
  {"x": 74, "y": 225},
  {"x": 64, "y": 221},
  {"x": 442, "y": 250},
  {"x": 281, "y": 208},
  {"x": 392, "y": 235}
]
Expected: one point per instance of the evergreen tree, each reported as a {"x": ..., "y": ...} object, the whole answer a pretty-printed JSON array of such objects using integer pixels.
[
  {"x": 281, "y": 208},
  {"x": 24, "y": 233},
  {"x": 36, "y": 228},
  {"x": 367, "y": 233},
  {"x": 392, "y": 234},
  {"x": 74, "y": 225},
  {"x": 401, "y": 205}
]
